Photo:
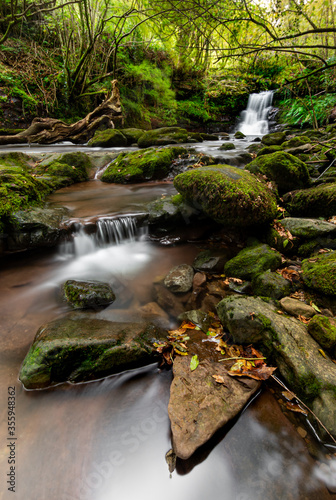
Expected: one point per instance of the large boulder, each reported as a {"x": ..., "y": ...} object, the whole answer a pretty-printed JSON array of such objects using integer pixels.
[
  {"x": 87, "y": 294},
  {"x": 199, "y": 406},
  {"x": 318, "y": 201},
  {"x": 308, "y": 228},
  {"x": 271, "y": 285},
  {"x": 287, "y": 171},
  {"x": 60, "y": 170},
  {"x": 252, "y": 261},
  {"x": 319, "y": 273},
  {"x": 79, "y": 347},
  {"x": 274, "y": 139},
  {"x": 140, "y": 166},
  {"x": 228, "y": 195},
  {"x": 297, "y": 355},
  {"x": 132, "y": 135},
  {"x": 36, "y": 228},
  {"x": 163, "y": 136},
  {"x": 109, "y": 138}
]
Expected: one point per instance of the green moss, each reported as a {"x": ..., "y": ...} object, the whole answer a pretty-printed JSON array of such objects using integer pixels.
[
  {"x": 228, "y": 195},
  {"x": 268, "y": 150},
  {"x": 323, "y": 330},
  {"x": 274, "y": 139},
  {"x": 315, "y": 202},
  {"x": 287, "y": 171},
  {"x": 227, "y": 146},
  {"x": 319, "y": 273},
  {"x": 65, "y": 169},
  {"x": 108, "y": 138},
  {"x": 253, "y": 261},
  {"x": 163, "y": 136},
  {"x": 295, "y": 142},
  {"x": 142, "y": 165}
]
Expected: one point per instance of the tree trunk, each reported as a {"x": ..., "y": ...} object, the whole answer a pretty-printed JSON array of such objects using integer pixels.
[{"x": 50, "y": 130}]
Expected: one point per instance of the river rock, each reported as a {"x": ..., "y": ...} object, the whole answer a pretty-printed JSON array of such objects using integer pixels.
[
  {"x": 296, "y": 307},
  {"x": 210, "y": 261},
  {"x": 132, "y": 135},
  {"x": 200, "y": 318},
  {"x": 61, "y": 170},
  {"x": 319, "y": 273},
  {"x": 108, "y": 138},
  {"x": 163, "y": 136},
  {"x": 251, "y": 320},
  {"x": 239, "y": 135},
  {"x": 294, "y": 142},
  {"x": 227, "y": 146},
  {"x": 252, "y": 261},
  {"x": 314, "y": 202},
  {"x": 269, "y": 284},
  {"x": 274, "y": 139},
  {"x": 287, "y": 171},
  {"x": 153, "y": 312},
  {"x": 170, "y": 211},
  {"x": 199, "y": 406},
  {"x": 308, "y": 228},
  {"x": 79, "y": 347},
  {"x": 179, "y": 279},
  {"x": 87, "y": 294},
  {"x": 36, "y": 228},
  {"x": 140, "y": 166},
  {"x": 228, "y": 195},
  {"x": 323, "y": 330},
  {"x": 268, "y": 150},
  {"x": 167, "y": 300}
]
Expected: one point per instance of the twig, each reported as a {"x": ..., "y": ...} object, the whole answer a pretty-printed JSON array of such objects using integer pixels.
[
  {"x": 237, "y": 357},
  {"x": 301, "y": 402}
]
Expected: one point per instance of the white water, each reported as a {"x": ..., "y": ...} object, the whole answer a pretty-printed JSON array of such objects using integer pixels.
[{"x": 254, "y": 120}]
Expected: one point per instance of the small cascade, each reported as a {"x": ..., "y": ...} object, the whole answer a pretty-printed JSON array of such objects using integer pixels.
[
  {"x": 101, "y": 170},
  {"x": 107, "y": 232},
  {"x": 254, "y": 120}
]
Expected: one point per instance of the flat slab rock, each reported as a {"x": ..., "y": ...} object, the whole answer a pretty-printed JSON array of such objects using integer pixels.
[
  {"x": 199, "y": 406},
  {"x": 79, "y": 347}
]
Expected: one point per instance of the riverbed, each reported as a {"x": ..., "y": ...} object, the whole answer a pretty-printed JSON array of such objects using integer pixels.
[{"x": 108, "y": 439}]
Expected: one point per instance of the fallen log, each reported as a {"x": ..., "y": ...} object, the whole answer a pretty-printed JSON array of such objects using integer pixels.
[{"x": 50, "y": 130}]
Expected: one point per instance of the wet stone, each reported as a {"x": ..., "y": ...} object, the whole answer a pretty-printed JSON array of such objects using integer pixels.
[{"x": 179, "y": 279}]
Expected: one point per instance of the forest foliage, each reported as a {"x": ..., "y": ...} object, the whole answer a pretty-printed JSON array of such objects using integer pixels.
[{"x": 190, "y": 61}]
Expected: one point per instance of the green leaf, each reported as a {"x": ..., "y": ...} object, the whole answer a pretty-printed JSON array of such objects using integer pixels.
[
  {"x": 314, "y": 306},
  {"x": 194, "y": 363},
  {"x": 285, "y": 243}
]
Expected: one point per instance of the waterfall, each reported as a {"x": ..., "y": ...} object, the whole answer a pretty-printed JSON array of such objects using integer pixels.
[
  {"x": 107, "y": 232},
  {"x": 254, "y": 120}
]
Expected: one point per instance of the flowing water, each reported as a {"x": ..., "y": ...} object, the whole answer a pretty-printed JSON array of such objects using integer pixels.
[
  {"x": 254, "y": 120},
  {"x": 107, "y": 439}
]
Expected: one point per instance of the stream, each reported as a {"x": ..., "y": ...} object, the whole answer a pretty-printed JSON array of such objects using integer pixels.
[{"x": 107, "y": 439}]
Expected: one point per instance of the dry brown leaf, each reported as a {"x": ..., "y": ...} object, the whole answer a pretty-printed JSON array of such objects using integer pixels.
[
  {"x": 304, "y": 320},
  {"x": 288, "y": 395},
  {"x": 290, "y": 274},
  {"x": 295, "y": 407},
  {"x": 219, "y": 379},
  {"x": 188, "y": 325}
]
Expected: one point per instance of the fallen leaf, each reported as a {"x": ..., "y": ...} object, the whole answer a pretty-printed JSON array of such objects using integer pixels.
[
  {"x": 322, "y": 353},
  {"x": 194, "y": 363},
  {"x": 219, "y": 379},
  {"x": 304, "y": 320},
  {"x": 314, "y": 306},
  {"x": 188, "y": 325},
  {"x": 290, "y": 274},
  {"x": 288, "y": 395},
  {"x": 295, "y": 407}
]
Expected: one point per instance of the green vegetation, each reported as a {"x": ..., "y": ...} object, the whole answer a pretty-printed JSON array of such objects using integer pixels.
[{"x": 319, "y": 273}]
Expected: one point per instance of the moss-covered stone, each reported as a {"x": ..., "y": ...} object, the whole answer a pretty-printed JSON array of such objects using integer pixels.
[
  {"x": 79, "y": 347},
  {"x": 239, "y": 135},
  {"x": 269, "y": 284},
  {"x": 228, "y": 195},
  {"x": 315, "y": 202},
  {"x": 252, "y": 261},
  {"x": 140, "y": 166},
  {"x": 274, "y": 139},
  {"x": 308, "y": 228},
  {"x": 268, "y": 150},
  {"x": 284, "y": 169},
  {"x": 210, "y": 261},
  {"x": 296, "y": 141},
  {"x": 319, "y": 273},
  {"x": 323, "y": 330},
  {"x": 132, "y": 134},
  {"x": 209, "y": 137},
  {"x": 227, "y": 146},
  {"x": 109, "y": 138},
  {"x": 163, "y": 136},
  {"x": 64, "y": 169},
  {"x": 87, "y": 294}
]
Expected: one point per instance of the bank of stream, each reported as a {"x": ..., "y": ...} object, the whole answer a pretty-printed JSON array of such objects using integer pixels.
[{"x": 108, "y": 439}]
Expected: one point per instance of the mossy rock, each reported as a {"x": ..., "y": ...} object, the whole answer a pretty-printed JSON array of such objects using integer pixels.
[
  {"x": 270, "y": 284},
  {"x": 170, "y": 212},
  {"x": 16, "y": 159},
  {"x": 239, "y": 135},
  {"x": 268, "y": 150},
  {"x": 132, "y": 135},
  {"x": 140, "y": 166},
  {"x": 163, "y": 137},
  {"x": 319, "y": 273},
  {"x": 274, "y": 139},
  {"x": 210, "y": 261},
  {"x": 315, "y": 202},
  {"x": 18, "y": 191},
  {"x": 323, "y": 330},
  {"x": 109, "y": 138},
  {"x": 284, "y": 169},
  {"x": 252, "y": 261},
  {"x": 79, "y": 347},
  {"x": 311, "y": 247},
  {"x": 228, "y": 195},
  {"x": 87, "y": 294},
  {"x": 296, "y": 141},
  {"x": 209, "y": 137},
  {"x": 308, "y": 228},
  {"x": 227, "y": 146},
  {"x": 65, "y": 169}
]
